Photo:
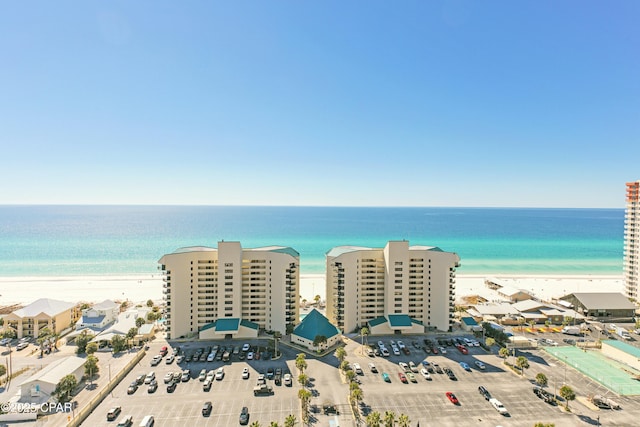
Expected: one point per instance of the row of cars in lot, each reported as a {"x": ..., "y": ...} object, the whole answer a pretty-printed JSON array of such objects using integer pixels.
[{"x": 429, "y": 346}]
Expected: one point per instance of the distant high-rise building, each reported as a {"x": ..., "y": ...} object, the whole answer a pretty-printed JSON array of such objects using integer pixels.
[{"x": 632, "y": 240}]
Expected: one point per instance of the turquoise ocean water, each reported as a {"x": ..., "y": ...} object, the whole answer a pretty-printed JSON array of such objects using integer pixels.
[{"x": 110, "y": 240}]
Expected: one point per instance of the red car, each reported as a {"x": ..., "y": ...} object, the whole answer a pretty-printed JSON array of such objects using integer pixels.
[
  {"x": 403, "y": 378},
  {"x": 452, "y": 397},
  {"x": 462, "y": 349},
  {"x": 434, "y": 350}
]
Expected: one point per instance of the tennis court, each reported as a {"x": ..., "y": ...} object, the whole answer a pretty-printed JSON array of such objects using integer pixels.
[{"x": 613, "y": 375}]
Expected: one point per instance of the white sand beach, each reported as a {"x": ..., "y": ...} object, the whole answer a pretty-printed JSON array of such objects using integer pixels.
[{"x": 140, "y": 288}]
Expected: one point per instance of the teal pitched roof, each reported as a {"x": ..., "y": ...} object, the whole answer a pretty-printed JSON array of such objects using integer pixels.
[
  {"x": 315, "y": 324},
  {"x": 623, "y": 346},
  {"x": 208, "y": 326},
  {"x": 398, "y": 320},
  {"x": 227, "y": 324},
  {"x": 377, "y": 321},
  {"x": 248, "y": 324}
]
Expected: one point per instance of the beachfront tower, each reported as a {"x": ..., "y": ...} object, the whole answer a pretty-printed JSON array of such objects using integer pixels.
[
  {"x": 632, "y": 240},
  {"x": 229, "y": 291},
  {"x": 395, "y": 289}
]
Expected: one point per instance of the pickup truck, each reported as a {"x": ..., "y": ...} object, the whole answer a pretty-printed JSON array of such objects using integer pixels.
[{"x": 262, "y": 389}]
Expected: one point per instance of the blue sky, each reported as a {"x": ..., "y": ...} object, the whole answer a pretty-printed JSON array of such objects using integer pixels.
[{"x": 363, "y": 103}]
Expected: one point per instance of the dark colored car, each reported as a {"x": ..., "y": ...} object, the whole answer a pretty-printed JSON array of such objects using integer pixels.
[
  {"x": 450, "y": 374},
  {"x": 133, "y": 387},
  {"x": 113, "y": 413},
  {"x": 206, "y": 409},
  {"x": 484, "y": 392},
  {"x": 153, "y": 386},
  {"x": 171, "y": 387},
  {"x": 244, "y": 416}
]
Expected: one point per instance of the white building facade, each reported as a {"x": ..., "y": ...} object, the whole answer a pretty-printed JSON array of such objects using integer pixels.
[
  {"x": 364, "y": 284},
  {"x": 632, "y": 240},
  {"x": 256, "y": 286}
]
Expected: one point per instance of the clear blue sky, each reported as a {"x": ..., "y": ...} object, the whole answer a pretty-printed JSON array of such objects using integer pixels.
[{"x": 372, "y": 103}]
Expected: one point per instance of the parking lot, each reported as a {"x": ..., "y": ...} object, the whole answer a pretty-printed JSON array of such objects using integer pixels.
[
  {"x": 184, "y": 405},
  {"x": 424, "y": 401}
]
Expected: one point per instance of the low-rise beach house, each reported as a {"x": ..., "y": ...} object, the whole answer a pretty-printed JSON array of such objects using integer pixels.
[
  {"x": 42, "y": 313},
  {"x": 230, "y": 291}
]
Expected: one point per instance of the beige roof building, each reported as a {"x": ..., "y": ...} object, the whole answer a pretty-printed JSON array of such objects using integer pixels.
[
  {"x": 42, "y": 313},
  {"x": 404, "y": 282},
  {"x": 230, "y": 291}
]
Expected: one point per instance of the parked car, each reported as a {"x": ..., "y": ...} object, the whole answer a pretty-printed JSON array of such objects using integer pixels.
[
  {"x": 220, "y": 373},
  {"x": 480, "y": 365},
  {"x": 245, "y": 373},
  {"x": 450, "y": 374},
  {"x": 373, "y": 368},
  {"x": 206, "y": 409},
  {"x": 425, "y": 373},
  {"x": 484, "y": 392},
  {"x": 386, "y": 377},
  {"x": 186, "y": 375},
  {"x": 404, "y": 367},
  {"x": 411, "y": 377},
  {"x": 206, "y": 385},
  {"x": 244, "y": 416},
  {"x": 113, "y": 413},
  {"x": 169, "y": 360},
  {"x": 126, "y": 421},
  {"x": 133, "y": 387},
  {"x": 288, "y": 380},
  {"x": 246, "y": 347},
  {"x": 452, "y": 398},
  {"x": 413, "y": 366},
  {"x": 402, "y": 377},
  {"x": 153, "y": 386},
  {"x": 168, "y": 377},
  {"x": 171, "y": 387},
  {"x": 250, "y": 355},
  {"x": 465, "y": 366},
  {"x": 498, "y": 406}
]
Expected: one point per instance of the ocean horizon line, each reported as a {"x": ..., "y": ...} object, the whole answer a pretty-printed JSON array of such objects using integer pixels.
[{"x": 188, "y": 205}]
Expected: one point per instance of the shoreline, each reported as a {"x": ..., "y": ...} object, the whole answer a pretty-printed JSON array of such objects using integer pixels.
[{"x": 142, "y": 287}]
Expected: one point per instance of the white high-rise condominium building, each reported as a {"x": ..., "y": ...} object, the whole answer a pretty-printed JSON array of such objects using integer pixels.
[
  {"x": 632, "y": 240},
  {"x": 398, "y": 288},
  {"x": 229, "y": 291}
]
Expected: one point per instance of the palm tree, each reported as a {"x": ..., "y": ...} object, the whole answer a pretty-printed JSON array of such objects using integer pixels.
[
  {"x": 301, "y": 363},
  {"x": 274, "y": 424},
  {"x": 317, "y": 299},
  {"x": 567, "y": 394},
  {"x": 503, "y": 352},
  {"x": 341, "y": 353},
  {"x": 389, "y": 418},
  {"x": 290, "y": 421},
  {"x": 318, "y": 341},
  {"x": 65, "y": 388},
  {"x": 364, "y": 331},
  {"x": 404, "y": 421},
  {"x": 373, "y": 419},
  {"x": 541, "y": 379},
  {"x": 357, "y": 395},
  {"x": 522, "y": 363},
  {"x": 255, "y": 424},
  {"x": 91, "y": 366},
  {"x": 303, "y": 379}
]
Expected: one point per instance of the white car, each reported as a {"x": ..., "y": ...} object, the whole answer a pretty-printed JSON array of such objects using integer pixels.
[
  {"x": 179, "y": 359},
  {"x": 210, "y": 375},
  {"x": 170, "y": 359},
  {"x": 413, "y": 366},
  {"x": 246, "y": 347},
  {"x": 425, "y": 373},
  {"x": 373, "y": 368},
  {"x": 396, "y": 352},
  {"x": 357, "y": 369},
  {"x": 498, "y": 406},
  {"x": 380, "y": 344},
  {"x": 287, "y": 379},
  {"x": 220, "y": 373},
  {"x": 479, "y": 364},
  {"x": 476, "y": 344},
  {"x": 404, "y": 367},
  {"x": 442, "y": 350},
  {"x": 250, "y": 355},
  {"x": 401, "y": 345},
  {"x": 211, "y": 357},
  {"x": 384, "y": 352},
  {"x": 245, "y": 373},
  {"x": 168, "y": 377}
]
